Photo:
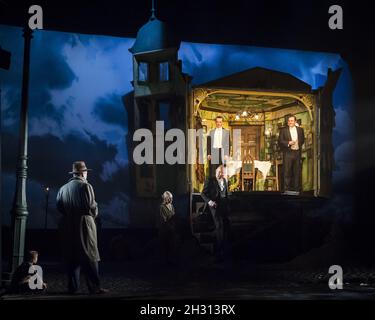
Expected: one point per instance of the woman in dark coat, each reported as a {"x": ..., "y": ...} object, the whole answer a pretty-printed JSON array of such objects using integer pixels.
[{"x": 167, "y": 230}]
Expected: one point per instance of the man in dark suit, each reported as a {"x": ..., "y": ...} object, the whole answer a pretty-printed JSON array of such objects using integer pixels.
[
  {"x": 218, "y": 145},
  {"x": 215, "y": 196},
  {"x": 291, "y": 139}
]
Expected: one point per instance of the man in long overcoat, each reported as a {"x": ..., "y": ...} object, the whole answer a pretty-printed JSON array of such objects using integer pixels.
[{"x": 76, "y": 202}]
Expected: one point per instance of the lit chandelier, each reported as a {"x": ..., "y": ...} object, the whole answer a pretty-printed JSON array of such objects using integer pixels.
[{"x": 247, "y": 115}]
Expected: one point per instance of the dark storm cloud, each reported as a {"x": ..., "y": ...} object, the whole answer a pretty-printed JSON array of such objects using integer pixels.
[
  {"x": 50, "y": 159},
  {"x": 110, "y": 110},
  {"x": 338, "y": 138},
  {"x": 12, "y": 112},
  {"x": 52, "y": 71},
  {"x": 113, "y": 207},
  {"x": 48, "y": 70},
  {"x": 11, "y": 40},
  {"x": 49, "y": 162},
  {"x": 204, "y": 70},
  {"x": 343, "y": 94},
  {"x": 106, "y": 191},
  {"x": 45, "y": 108},
  {"x": 208, "y": 62}
]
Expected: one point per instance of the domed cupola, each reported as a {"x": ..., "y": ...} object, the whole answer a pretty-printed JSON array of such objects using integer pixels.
[{"x": 153, "y": 36}]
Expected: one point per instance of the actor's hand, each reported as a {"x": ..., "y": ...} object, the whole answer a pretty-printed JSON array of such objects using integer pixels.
[
  {"x": 212, "y": 203},
  {"x": 209, "y": 157},
  {"x": 291, "y": 143}
]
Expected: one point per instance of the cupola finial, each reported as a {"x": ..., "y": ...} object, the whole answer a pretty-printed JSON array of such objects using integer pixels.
[{"x": 153, "y": 17}]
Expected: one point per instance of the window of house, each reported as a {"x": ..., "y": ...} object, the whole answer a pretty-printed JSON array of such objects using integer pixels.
[
  {"x": 164, "y": 108},
  {"x": 144, "y": 121},
  {"x": 143, "y": 71},
  {"x": 164, "y": 71}
]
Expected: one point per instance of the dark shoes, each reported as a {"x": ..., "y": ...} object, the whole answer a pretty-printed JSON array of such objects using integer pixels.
[
  {"x": 100, "y": 291},
  {"x": 72, "y": 292}
]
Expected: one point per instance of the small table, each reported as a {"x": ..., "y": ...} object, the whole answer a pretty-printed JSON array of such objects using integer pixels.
[{"x": 264, "y": 167}]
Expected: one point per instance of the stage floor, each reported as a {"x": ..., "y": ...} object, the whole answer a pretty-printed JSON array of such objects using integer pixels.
[{"x": 239, "y": 280}]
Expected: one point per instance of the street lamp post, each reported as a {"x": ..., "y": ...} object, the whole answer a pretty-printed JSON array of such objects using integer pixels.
[
  {"x": 45, "y": 218},
  {"x": 19, "y": 209}
]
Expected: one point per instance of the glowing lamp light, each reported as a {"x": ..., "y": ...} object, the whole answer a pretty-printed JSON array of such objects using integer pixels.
[
  {"x": 237, "y": 117},
  {"x": 244, "y": 113},
  {"x": 256, "y": 116}
]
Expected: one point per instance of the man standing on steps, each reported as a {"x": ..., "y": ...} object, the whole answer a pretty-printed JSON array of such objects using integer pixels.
[{"x": 215, "y": 195}]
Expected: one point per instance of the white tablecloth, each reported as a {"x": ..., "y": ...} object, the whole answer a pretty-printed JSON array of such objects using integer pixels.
[
  {"x": 233, "y": 167},
  {"x": 263, "y": 166}
]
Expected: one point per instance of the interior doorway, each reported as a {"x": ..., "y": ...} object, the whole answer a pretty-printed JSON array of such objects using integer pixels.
[{"x": 250, "y": 140}]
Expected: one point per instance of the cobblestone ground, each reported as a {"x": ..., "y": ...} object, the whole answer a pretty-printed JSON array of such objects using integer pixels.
[
  {"x": 197, "y": 275},
  {"x": 209, "y": 280}
]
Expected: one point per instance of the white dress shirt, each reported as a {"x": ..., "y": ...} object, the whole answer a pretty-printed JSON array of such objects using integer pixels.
[
  {"x": 221, "y": 184},
  {"x": 222, "y": 187},
  {"x": 294, "y": 135},
  {"x": 218, "y": 138}
]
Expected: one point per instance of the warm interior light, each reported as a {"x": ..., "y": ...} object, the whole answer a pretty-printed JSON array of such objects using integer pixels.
[
  {"x": 244, "y": 114},
  {"x": 268, "y": 131}
]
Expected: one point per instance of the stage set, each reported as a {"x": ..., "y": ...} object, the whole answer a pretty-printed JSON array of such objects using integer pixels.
[
  {"x": 163, "y": 229},
  {"x": 258, "y": 102}
]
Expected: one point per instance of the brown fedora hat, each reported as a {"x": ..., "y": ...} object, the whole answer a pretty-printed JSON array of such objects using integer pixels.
[{"x": 78, "y": 167}]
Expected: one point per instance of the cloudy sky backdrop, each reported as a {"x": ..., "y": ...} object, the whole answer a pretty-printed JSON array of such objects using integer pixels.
[{"x": 76, "y": 112}]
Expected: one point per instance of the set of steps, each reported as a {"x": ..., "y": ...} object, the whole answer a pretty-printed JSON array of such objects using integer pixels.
[
  {"x": 5, "y": 279},
  {"x": 206, "y": 241},
  {"x": 242, "y": 225},
  {"x": 203, "y": 230}
]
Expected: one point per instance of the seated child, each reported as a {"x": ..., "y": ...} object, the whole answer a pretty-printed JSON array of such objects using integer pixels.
[{"x": 23, "y": 274}]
